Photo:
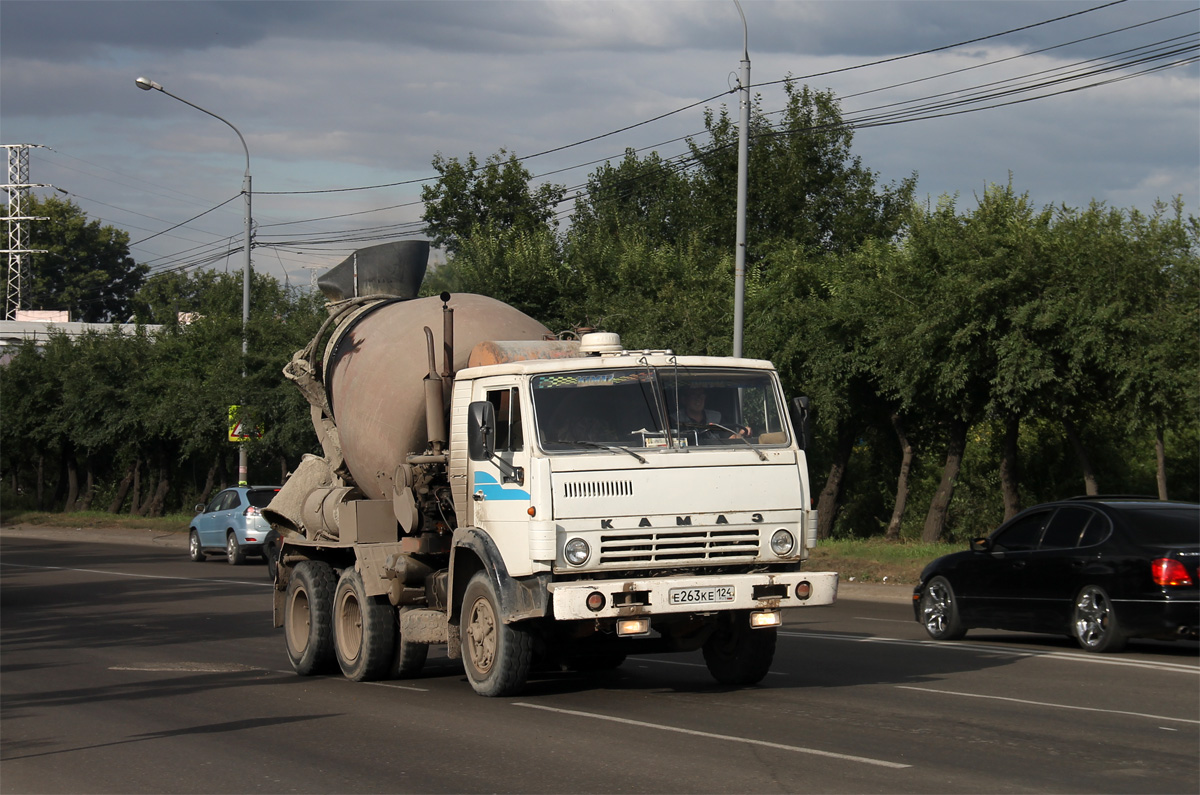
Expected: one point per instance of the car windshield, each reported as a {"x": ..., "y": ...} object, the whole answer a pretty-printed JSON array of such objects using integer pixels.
[
  {"x": 655, "y": 408},
  {"x": 1173, "y": 525}
]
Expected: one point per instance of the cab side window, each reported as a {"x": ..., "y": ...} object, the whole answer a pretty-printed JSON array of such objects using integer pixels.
[{"x": 507, "y": 403}]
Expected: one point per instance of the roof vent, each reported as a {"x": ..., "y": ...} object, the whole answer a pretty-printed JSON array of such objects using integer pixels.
[{"x": 598, "y": 342}]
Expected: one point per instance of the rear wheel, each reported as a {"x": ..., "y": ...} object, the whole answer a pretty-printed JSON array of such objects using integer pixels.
[
  {"x": 939, "y": 611},
  {"x": 496, "y": 656},
  {"x": 233, "y": 550},
  {"x": 409, "y": 658},
  {"x": 308, "y": 618},
  {"x": 364, "y": 630},
  {"x": 195, "y": 552},
  {"x": 736, "y": 653},
  {"x": 1095, "y": 623},
  {"x": 271, "y": 555}
]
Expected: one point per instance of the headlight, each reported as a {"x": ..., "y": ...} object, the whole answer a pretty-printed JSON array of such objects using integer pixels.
[
  {"x": 783, "y": 542},
  {"x": 577, "y": 552}
]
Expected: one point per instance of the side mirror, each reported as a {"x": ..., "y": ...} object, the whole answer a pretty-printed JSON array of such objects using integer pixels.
[
  {"x": 800, "y": 407},
  {"x": 481, "y": 431},
  {"x": 199, "y": 507},
  {"x": 981, "y": 545}
]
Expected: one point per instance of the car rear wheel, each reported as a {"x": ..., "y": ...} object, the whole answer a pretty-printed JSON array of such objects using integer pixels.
[
  {"x": 1095, "y": 623},
  {"x": 939, "y": 611},
  {"x": 195, "y": 552},
  {"x": 233, "y": 550},
  {"x": 308, "y": 618}
]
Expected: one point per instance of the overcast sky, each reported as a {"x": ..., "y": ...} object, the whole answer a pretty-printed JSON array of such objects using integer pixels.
[{"x": 340, "y": 95}]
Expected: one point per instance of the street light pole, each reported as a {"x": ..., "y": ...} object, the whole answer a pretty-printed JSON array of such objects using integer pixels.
[
  {"x": 146, "y": 85},
  {"x": 739, "y": 254}
]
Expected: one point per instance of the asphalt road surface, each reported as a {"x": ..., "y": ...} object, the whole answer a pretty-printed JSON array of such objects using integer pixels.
[{"x": 124, "y": 667}]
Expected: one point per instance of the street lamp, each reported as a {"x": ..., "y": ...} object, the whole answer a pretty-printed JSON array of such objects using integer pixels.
[{"x": 146, "y": 85}]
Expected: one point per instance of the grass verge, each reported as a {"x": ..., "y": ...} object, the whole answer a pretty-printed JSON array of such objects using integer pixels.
[
  {"x": 99, "y": 519},
  {"x": 875, "y": 560}
]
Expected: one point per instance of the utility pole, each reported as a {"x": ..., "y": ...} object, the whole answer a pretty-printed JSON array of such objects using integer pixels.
[
  {"x": 18, "y": 230},
  {"x": 739, "y": 254}
]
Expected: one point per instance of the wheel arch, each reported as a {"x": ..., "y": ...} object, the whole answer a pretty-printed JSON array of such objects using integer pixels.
[{"x": 472, "y": 551}]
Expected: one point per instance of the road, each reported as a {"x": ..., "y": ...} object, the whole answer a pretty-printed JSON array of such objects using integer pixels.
[{"x": 127, "y": 668}]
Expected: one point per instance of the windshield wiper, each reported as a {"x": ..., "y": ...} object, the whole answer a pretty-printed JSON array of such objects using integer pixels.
[
  {"x": 614, "y": 447},
  {"x": 738, "y": 436}
]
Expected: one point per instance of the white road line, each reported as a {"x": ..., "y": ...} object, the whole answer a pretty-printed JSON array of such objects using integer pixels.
[
  {"x": 395, "y": 687},
  {"x": 141, "y": 576},
  {"x": 1048, "y": 704},
  {"x": 1000, "y": 651},
  {"x": 727, "y": 737}
]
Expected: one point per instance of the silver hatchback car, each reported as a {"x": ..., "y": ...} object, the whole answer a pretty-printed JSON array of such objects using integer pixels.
[{"x": 232, "y": 523}]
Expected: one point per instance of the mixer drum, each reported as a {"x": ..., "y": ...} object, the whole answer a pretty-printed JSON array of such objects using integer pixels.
[{"x": 374, "y": 370}]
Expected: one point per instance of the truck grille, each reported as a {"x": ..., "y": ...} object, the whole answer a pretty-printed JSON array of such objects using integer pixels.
[
  {"x": 598, "y": 488},
  {"x": 697, "y": 544}
]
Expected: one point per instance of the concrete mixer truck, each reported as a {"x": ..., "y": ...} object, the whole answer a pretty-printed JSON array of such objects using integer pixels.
[{"x": 529, "y": 502}]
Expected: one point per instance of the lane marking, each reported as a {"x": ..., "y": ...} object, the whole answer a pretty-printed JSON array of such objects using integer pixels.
[
  {"x": 689, "y": 664},
  {"x": 727, "y": 737},
  {"x": 1048, "y": 704},
  {"x": 1001, "y": 651},
  {"x": 190, "y": 668},
  {"x": 394, "y": 687},
  {"x": 141, "y": 576}
]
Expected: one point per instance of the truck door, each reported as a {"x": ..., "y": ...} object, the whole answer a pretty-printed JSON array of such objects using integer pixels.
[{"x": 500, "y": 486}]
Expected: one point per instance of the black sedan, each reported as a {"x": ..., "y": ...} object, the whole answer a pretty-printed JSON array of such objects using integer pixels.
[{"x": 1100, "y": 570}]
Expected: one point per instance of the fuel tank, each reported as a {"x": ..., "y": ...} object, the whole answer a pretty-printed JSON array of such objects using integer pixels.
[{"x": 375, "y": 364}]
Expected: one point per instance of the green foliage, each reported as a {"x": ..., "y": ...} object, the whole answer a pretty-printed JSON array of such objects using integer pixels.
[
  {"x": 495, "y": 198},
  {"x": 86, "y": 267},
  {"x": 107, "y": 400}
]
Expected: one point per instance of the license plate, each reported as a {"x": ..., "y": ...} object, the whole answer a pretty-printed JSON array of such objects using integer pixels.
[{"x": 699, "y": 596}]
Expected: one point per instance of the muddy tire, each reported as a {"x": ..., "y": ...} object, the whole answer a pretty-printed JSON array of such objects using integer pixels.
[
  {"x": 271, "y": 556},
  {"x": 195, "y": 552},
  {"x": 735, "y": 653},
  {"x": 364, "y": 630},
  {"x": 496, "y": 656},
  {"x": 308, "y": 618},
  {"x": 409, "y": 660}
]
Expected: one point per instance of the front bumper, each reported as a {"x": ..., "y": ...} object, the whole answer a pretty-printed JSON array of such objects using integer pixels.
[{"x": 626, "y": 598}]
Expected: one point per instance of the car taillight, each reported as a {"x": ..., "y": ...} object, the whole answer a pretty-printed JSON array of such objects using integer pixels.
[
  {"x": 1168, "y": 571},
  {"x": 251, "y": 511}
]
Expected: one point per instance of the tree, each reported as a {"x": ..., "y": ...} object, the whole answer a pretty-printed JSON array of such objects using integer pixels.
[
  {"x": 805, "y": 187},
  {"x": 86, "y": 268},
  {"x": 496, "y": 196}
]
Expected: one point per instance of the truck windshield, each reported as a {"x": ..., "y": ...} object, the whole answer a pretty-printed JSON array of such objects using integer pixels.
[{"x": 649, "y": 408}]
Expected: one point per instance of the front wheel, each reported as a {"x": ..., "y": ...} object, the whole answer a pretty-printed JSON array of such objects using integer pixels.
[
  {"x": 939, "y": 611},
  {"x": 736, "y": 653},
  {"x": 1094, "y": 622},
  {"x": 308, "y": 618},
  {"x": 496, "y": 656},
  {"x": 195, "y": 552},
  {"x": 233, "y": 550}
]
